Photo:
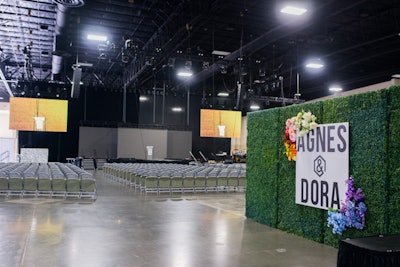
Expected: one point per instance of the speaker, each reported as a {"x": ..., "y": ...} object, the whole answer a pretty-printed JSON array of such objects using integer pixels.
[{"x": 76, "y": 83}]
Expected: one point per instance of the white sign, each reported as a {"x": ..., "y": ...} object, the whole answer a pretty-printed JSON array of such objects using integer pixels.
[{"x": 322, "y": 166}]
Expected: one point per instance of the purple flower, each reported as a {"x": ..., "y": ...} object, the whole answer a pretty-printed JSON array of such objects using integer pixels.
[
  {"x": 358, "y": 195},
  {"x": 352, "y": 211}
]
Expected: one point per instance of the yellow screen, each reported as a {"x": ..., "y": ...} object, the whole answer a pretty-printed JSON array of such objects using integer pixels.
[
  {"x": 220, "y": 123},
  {"x": 38, "y": 114}
]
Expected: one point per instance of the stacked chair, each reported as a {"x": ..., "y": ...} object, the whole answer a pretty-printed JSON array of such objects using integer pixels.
[
  {"x": 46, "y": 179},
  {"x": 171, "y": 177}
]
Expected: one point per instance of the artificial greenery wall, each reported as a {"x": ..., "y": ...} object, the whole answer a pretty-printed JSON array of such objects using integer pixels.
[
  {"x": 393, "y": 184},
  {"x": 374, "y": 121}
]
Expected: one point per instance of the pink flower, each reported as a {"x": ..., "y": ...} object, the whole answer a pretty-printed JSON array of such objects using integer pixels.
[
  {"x": 289, "y": 123},
  {"x": 292, "y": 136}
]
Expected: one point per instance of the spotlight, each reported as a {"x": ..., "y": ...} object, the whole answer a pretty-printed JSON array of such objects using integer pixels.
[
  {"x": 185, "y": 73},
  {"x": 177, "y": 109},
  {"x": 292, "y": 10},
  {"x": 335, "y": 88},
  {"x": 96, "y": 37}
]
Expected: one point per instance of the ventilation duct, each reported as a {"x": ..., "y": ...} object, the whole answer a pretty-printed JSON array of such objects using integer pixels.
[{"x": 63, "y": 7}]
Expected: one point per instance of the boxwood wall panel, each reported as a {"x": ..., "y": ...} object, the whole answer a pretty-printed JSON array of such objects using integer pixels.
[
  {"x": 261, "y": 188},
  {"x": 298, "y": 219},
  {"x": 393, "y": 206},
  {"x": 335, "y": 110},
  {"x": 367, "y": 117},
  {"x": 374, "y": 119},
  {"x": 368, "y": 161}
]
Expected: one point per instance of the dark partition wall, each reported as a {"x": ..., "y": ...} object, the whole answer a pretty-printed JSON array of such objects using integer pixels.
[{"x": 98, "y": 142}]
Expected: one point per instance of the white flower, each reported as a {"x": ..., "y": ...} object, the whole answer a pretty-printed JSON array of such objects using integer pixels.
[
  {"x": 301, "y": 133},
  {"x": 299, "y": 126},
  {"x": 313, "y": 125},
  {"x": 313, "y": 118},
  {"x": 307, "y": 116},
  {"x": 305, "y": 124}
]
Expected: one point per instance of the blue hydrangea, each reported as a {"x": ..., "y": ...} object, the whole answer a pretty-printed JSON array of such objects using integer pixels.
[{"x": 338, "y": 221}]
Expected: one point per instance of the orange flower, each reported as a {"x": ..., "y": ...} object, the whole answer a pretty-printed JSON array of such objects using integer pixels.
[
  {"x": 290, "y": 151},
  {"x": 293, "y": 152}
]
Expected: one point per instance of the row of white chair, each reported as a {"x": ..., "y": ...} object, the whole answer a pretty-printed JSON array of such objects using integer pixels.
[{"x": 164, "y": 177}]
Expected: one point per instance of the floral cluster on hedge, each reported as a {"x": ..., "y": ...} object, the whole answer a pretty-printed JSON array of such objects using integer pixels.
[
  {"x": 351, "y": 213},
  {"x": 296, "y": 127}
]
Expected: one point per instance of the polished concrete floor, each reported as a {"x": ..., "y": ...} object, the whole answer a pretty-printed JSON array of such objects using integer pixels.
[{"x": 126, "y": 228}]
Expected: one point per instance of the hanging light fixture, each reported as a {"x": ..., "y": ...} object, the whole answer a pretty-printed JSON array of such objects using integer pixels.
[
  {"x": 293, "y": 10},
  {"x": 314, "y": 64},
  {"x": 96, "y": 37},
  {"x": 335, "y": 88}
]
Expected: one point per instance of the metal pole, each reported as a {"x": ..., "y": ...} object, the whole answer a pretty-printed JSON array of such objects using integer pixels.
[
  {"x": 124, "y": 106},
  {"x": 154, "y": 95},
  {"x": 163, "y": 105},
  {"x": 188, "y": 106},
  {"x": 84, "y": 106}
]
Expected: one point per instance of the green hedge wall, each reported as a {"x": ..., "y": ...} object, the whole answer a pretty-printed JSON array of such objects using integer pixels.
[
  {"x": 374, "y": 121},
  {"x": 261, "y": 196},
  {"x": 393, "y": 185}
]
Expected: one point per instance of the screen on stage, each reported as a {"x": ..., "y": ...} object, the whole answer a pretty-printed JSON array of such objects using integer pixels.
[
  {"x": 38, "y": 114},
  {"x": 220, "y": 123}
]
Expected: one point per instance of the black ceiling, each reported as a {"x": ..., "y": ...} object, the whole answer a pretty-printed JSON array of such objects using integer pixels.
[{"x": 149, "y": 40}]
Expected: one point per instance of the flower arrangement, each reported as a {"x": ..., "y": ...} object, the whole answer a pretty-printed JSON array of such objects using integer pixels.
[
  {"x": 297, "y": 127},
  {"x": 352, "y": 212}
]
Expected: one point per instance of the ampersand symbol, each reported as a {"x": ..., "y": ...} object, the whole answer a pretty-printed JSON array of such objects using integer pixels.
[{"x": 320, "y": 168}]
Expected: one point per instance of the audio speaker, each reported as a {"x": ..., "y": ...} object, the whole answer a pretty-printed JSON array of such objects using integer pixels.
[{"x": 76, "y": 83}]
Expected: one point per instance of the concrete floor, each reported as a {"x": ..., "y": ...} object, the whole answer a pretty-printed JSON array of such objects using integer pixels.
[{"x": 125, "y": 228}]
